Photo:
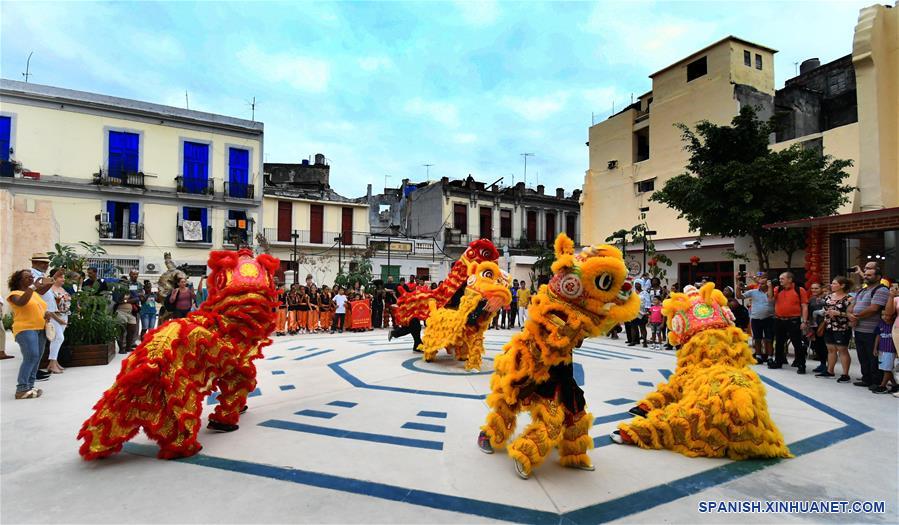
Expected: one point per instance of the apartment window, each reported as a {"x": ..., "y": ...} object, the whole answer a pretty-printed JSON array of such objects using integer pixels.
[
  {"x": 237, "y": 228},
  {"x": 460, "y": 218},
  {"x": 5, "y": 130},
  {"x": 646, "y": 186},
  {"x": 195, "y": 224},
  {"x": 531, "y": 217},
  {"x": 505, "y": 224},
  {"x": 285, "y": 220},
  {"x": 747, "y": 58},
  {"x": 316, "y": 223},
  {"x": 641, "y": 145},
  {"x": 239, "y": 173},
  {"x": 758, "y": 61},
  {"x": 486, "y": 223},
  {"x": 696, "y": 69},
  {"x": 124, "y": 153},
  {"x": 571, "y": 226},
  {"x": 196, "y": 167},
  {"x": 346, "y": 225},
  {"x": 122, "y": 220},
  {"x": 550, "y": 227}
]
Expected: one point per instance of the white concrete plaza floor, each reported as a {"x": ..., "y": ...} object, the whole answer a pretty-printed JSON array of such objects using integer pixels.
[{"x": 353, "y": 429}]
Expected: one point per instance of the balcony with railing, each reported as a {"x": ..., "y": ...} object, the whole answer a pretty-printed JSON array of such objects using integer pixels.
[
  {"x": 234, "y": 235},
  {"x": 194, "y": 186},
  {"x": 453, "y": 238},
  {"x": 239, "y": 190},
  {"x": 353, "y": 239},
  {"x": 127, "y": 179},
  {"x": 192, "y": 233},
  {"x": 116, "y": 233}
]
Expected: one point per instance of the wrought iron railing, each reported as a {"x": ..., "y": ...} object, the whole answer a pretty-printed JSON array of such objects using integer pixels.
[
  {"x": 128, "y": 179},
  {"x": 194, "y": 185},
  {"x": 239, "y": 190}
]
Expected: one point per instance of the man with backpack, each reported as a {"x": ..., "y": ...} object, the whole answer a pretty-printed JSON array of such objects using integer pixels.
[
  {"x": 790, "y": 319},
  {"x": 864, "y": 315}
]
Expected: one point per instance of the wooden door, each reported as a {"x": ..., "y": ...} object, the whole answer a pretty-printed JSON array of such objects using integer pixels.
[
  {"x": 347, "y": 225},
  {"x": 316, "y": 223},
  {"x": 285, "y": 220}
]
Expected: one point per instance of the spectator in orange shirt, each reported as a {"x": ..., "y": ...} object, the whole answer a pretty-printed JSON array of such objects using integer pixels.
[{"x": 791, "y": 318}]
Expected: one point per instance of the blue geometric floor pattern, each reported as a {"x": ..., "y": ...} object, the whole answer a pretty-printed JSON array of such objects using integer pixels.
[{"x": 327, "y": 420}]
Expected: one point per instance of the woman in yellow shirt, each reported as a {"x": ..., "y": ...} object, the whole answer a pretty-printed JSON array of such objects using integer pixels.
[
  {"x": 524, "y": 298},
  {"x": 29, "y": 314}
]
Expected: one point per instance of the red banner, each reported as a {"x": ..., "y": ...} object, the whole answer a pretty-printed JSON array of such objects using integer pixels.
[{"x": 359, "y": 317}]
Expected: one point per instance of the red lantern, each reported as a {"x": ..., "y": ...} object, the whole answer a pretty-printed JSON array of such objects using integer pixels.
[
  {"x": 652, "y": 262},
  {"x": 694, "y": 260}
]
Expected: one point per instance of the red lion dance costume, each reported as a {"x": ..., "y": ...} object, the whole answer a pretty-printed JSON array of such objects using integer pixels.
[
  {"x": 415, "y": 304},
  {"x": 163, "y": 382}
]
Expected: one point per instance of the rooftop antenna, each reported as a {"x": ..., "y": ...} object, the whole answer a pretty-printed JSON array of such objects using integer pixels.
[
  {"x": 796, "y": 65},
  {"x": 427, "y": 170},
  {"x": 526, "y": 155},
  {"x": 186, "y": 100},
  {"x": 385, "y": 180},
  {"x": 252, "y": 105},
  {"x": 27, "y": 72}
]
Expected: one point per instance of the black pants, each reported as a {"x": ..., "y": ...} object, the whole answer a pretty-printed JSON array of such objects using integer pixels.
[
  {"x": 632, "y": 330},
  {"x": 788, "y": 329},
  {"x": 337, "y": 324},
  {"x": 513, "y": 314},
  {"x": 820, "y": 348},
  {"x": 414, "y": 328},
  {"x": 377, "y": 315},
  {"x": 864, "y": 348}
]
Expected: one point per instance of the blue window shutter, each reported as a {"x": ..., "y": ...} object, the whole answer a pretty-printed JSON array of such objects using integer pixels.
[
  {"x": 111, "y": 209},
  {"x": 203, "y": 219},
  {"x": 131, "y": 152},
  {"x": 238, "y": 164},
  {"x": 134, "y": 217},
  {"x": 115, "y": 154},
  {"x": 196, "y": 166},
  {"x": 184, "y": 213},
  {"x": 5, "y": 130}
]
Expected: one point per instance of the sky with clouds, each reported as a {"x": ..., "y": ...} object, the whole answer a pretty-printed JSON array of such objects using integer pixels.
[{"x": 382, "y": 88}]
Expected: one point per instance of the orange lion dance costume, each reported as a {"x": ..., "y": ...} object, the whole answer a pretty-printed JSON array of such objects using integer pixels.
[
  {"x": 588, "y": 295},
  {"x": 714, "y": 405},
  {"x": 163, "y": 382},
  {"x": 416, "y": 304}
]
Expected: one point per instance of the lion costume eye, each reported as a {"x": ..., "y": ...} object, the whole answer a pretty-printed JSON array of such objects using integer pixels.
[
  {"x": 487, "y": 274},
  {"x": 485, "y": 254},
  {"x": 604, "y": 282}
]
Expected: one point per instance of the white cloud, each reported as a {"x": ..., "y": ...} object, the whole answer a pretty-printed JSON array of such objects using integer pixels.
[
  {"x": 374, "y": 63},
  {"x": 303, "y": 73},
  {"x": 445, "y": 113},
  {"x": 477, "y": 12},
  {"x": 536, "y": 108}
]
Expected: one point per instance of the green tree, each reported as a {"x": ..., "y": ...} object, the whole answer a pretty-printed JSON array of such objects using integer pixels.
[
  {"x": 72, "y": 256},
  {"x": 361, "y": 272},
  {"x": 637, "y": 235},
  {"x": 735, "y": 184}
]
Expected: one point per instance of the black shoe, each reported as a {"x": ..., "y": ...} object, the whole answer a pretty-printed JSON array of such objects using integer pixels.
[
  {"x": 221, "y": 427},
  {"x": 632, "y": 344},
  {"x": 894, "y": 389},
  {"x": 42, "y": 376},
  {"x": 824, "y": 374},
  {"x": 637, "y": 411},
  {"x": 800, "y": 370},
  {"x": 644, "y": 344},
  {"x": 794, "y": 364},
  {"x": 843, "y": 379},
  {"x": 668, "y": 347},
  {"x": 774, "y": 365},
  {"x": 244, "y": 409},
  {"x": 123, "y": 351},
  {"x": 820, "y": 368},
  {"x": 872, "y": 387},
  {"x": 417, "y": 351},
  {"x": 861, "y": 383},
  {"x": 389, "y": 335},
  {"x": 880, "y": 390}
]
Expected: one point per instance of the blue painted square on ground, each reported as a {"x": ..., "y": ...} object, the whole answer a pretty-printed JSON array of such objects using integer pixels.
[
  {"x": 636, "y": 369},
  {"x": 277, "y": 372},
  {"x": 425, "y": 413},
  {"x": 619, "y": 401},
  {"x": 645, "y": 383},
  {"x": 287, "y": 387},
  {"x": 421, "y": 426},
  {"x": 345, "y": 404},
  {"x": 316, "y": 413}
]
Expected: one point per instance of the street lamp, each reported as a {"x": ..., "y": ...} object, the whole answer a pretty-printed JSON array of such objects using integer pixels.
[
  {"x": 296, "y": 261},
  {"x": 339, "y": 241}
]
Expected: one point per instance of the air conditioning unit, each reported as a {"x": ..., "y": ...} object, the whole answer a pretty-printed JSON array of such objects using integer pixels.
[
  {"x": 613, "y": 164},
  {"x": 151, "y": 268},
  {"x": 104, "y": 216},
  {"x": 231, "y": 223}
]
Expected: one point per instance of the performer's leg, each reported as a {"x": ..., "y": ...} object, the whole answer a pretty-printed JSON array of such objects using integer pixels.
[
  {"x": 475, "y": 349},
  {"x": 415, "y": 330},
  {"x": 576, "y": 441},
  {"x": 177, "y": 437},
  {"x": 500, "y": 421},
  {"x": 234, "y": 387},
  {"x": 540, "y": 437}
]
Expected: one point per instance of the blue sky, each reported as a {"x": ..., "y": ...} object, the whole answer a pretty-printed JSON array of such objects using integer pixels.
[{"x": 382, "y": 88}]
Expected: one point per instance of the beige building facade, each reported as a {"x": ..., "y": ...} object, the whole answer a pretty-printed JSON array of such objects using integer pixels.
[{"x": 139, "y": 179}]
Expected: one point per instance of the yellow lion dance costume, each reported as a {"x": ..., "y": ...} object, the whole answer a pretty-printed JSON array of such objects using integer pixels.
[
  {"x": 588, "y": 295},
  {"x": 460, "y": 328},
  {"x": 163, "y": 382},
  {"x": 714, "y": 405}
]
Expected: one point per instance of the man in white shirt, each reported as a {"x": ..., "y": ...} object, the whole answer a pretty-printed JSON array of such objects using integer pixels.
[{"x": 339, "y": 302}]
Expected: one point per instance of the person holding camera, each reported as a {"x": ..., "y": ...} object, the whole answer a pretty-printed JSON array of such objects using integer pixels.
[
  {"x": 761, "y": 316},
  {"x": 182, "y": 299}
]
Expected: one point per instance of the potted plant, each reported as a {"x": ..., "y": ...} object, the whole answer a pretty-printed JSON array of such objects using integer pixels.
[{"x": 91, "y": 332}]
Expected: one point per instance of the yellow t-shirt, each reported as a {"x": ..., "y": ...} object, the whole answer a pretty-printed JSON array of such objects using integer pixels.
[
  {"x": 524, "y": 297},
  {"x": 28, "y": 317}
]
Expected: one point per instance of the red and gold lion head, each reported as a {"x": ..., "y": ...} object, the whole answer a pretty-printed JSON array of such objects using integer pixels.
[
  {"x": 479, "y": 251},
  {"x": 242, "y": 288}
]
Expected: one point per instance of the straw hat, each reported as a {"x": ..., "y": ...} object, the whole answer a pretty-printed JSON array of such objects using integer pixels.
[{"x": 40, "y": 257}]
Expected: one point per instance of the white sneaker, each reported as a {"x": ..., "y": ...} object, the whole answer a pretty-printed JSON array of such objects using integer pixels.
[
  {"x": 616, "y": 437},
  {"x": 519, "y": 469}
]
